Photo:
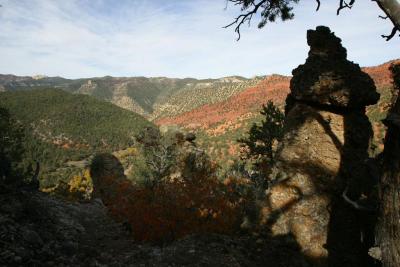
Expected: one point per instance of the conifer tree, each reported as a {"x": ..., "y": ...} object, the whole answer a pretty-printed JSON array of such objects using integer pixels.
[{"x": 259, "y": 145}]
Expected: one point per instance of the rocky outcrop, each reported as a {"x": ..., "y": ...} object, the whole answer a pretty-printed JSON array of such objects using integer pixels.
[
  {"x": 327, "y": 78},
  {"x": 121, "y": 98},
  {"x": 87, "y": 88},
  {"x": 38, "y": 230},
  {"x": 323, "y": 152}
]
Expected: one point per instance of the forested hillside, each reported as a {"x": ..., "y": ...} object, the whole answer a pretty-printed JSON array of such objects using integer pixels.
[
  {"x": 61, "y": 128},
  {"x": 152, "y": 97}
]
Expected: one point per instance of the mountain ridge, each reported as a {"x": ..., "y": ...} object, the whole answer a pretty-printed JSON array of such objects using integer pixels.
[
  {"x": 138, "y": 94},
  {"x": 273, "y": 87},
  {"x": 219, "y": 125},
  {"x": 219, "y": 111},
  {"x": 160, "y": 98}
]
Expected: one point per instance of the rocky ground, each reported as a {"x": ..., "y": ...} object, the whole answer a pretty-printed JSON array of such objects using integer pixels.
[{"x": 38, "y": 230}]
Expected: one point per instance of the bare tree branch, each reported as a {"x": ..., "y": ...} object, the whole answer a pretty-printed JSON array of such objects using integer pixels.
[
  {"x": 391, "y": 35},
  {"x": 271, "y": 9},
  {"x": 392, "y": 11},
  {"x": 354, "y": 204},
  {"x": 318, "y": 4},
  {"x": 343, "y": 4},
  {"x": 241, "y": 19}
]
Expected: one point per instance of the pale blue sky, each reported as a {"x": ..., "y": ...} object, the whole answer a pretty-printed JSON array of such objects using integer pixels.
[{"x": 174, "y": 38}]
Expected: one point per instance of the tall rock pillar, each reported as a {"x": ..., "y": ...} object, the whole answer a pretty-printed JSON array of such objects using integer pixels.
[{"x": 323, "y": 153}]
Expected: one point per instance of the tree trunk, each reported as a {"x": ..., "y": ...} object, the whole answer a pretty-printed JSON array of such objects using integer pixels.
[
  {"x": 391, "y": 9},
  {"x": 388, "y": 231}
]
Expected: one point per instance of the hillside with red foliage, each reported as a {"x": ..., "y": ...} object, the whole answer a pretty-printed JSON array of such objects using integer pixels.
[
  {"x": 381, "y": 74},
  {"x": 274, "y": 87}
]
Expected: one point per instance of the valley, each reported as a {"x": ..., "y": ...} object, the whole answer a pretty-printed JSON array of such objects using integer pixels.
[
  {"x": 218, "y": 111},
  {"x": 232, "y": 171},
  {"x": 237, "y": 133}
]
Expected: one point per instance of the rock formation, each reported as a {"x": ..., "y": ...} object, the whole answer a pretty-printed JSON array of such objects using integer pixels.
[
  {"x": 109, "y": 180},
  {"x": 38, "y": 230},
  {"x": 323, "y": 153}
]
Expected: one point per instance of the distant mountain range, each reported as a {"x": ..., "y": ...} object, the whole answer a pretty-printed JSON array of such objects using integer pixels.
[
  {"x": 150, "y": 97},
  {"x": 218, "y": 110}
]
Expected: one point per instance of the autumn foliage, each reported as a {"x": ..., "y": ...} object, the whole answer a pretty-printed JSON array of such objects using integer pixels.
[
  {"x": 170, "y": 209},
  {"x": 78, "y": 188},
  {"x": 250, "y": 100},
  {"x": 274, "y": 88}
]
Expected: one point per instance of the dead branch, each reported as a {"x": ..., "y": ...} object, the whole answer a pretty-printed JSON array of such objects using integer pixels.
[
  {"x": 354, "y": 204},
  {"x": 343, "y": 4},
  {"x": 269, "y": 6},
  {"x": 391, "y": 35},
  {"x": 396, "y": 26},
  {"x": 318, "y": 4},
  {"x": 241, "y": 19}
]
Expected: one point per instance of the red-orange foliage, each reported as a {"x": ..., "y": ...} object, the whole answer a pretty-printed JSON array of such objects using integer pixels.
[
  {"x": 381, "y": 74},
  {"x": 274, "y": 87},
  {"x": 176, "y": 208}
]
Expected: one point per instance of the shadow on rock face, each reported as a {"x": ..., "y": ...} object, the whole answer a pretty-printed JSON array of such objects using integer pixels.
[
  {"x": 107, "y": 175},
  {"x": 323, "y": 152},
  {"x": 105, "y": 165}
]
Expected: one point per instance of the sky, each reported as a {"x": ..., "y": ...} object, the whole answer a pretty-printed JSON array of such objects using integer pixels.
[{"x": 174, "y": 38}]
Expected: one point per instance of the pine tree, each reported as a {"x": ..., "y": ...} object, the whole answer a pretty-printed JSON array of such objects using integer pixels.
[{"x": 259, "y": 145}]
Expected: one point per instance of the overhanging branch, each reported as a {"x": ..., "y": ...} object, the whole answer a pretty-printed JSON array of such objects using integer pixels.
[
  {"x": 318, "y": 4},
  {"x": 270, "y": 9},
  {"x": 343, "y": 4},
  {"x": 392, "y": 11},
  {"x": 391, "y": 35},
  {"x": 241, "y": 19}
]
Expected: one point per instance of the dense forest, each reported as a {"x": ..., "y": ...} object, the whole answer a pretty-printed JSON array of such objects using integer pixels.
[{"x": 60, "y": 127}]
